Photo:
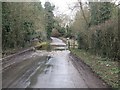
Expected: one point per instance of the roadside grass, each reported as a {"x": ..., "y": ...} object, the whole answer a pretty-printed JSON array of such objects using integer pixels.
[
  {"x": 107, "y": 69},
  {"x": 11, "y": 51},
  {"x": 42, "y": 46},
  {"x": 37, "y": 45}
]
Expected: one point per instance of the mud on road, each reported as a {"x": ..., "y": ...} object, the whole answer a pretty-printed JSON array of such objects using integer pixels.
[
  {"x": 19, "y": 69},
  {"x": 89, "y": 76},
  {"x": 55, "y": 69}
]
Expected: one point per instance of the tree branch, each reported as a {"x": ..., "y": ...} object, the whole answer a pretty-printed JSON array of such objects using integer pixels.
[{"x": 80, "y": 3}]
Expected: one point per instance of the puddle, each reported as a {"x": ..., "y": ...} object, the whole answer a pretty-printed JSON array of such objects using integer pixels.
[
  {"x": 43, "y": 69},
  {"x": 58, "y": 49},
  {"x": 37, "y": 64}
]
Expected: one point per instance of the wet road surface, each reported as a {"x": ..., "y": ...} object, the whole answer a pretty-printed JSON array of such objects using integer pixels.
[
  {"x": 18, "y": 71},
  {"x": 60, "y": 73},
  {"x": 42, "y": 69}
]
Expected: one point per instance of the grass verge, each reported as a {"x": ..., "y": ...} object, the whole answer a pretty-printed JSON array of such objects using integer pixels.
[
  {"x": 107, "y": 69},
  {"x": 42, "y": 46}
]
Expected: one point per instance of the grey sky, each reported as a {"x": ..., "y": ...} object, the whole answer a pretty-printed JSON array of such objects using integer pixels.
[{"x": 61, "y": 6}]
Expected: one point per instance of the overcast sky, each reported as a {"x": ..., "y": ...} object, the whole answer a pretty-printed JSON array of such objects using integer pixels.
[{"x": 61, "y": 6}]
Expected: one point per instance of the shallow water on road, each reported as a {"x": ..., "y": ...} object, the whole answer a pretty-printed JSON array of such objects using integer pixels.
[
  {"x": 58, "y": 73},
  {"x": 43, "y": 69},
  {"x": 18, "y": 74}
]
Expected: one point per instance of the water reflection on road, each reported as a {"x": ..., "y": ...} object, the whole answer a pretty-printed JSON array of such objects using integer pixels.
[
  {"x": 43, "y": 69},
  {"x": 59, "y": 71},
  {"x": 17, "y": 72}
]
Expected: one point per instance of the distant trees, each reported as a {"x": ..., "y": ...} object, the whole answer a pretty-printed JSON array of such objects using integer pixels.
[
  {"x": 49, "y": 18},
  {"x": 61, "y": 24},
  {"x": 60, "y": 29},
  {"x": 68, "y": 31},
  {"x": 102, "y": 35}
]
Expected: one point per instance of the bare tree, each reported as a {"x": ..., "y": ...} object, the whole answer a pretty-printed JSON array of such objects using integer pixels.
[{"x": 81, "y": 7}]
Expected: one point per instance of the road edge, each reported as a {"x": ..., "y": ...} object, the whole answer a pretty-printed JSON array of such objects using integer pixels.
[{"x": 75, "y": 57}]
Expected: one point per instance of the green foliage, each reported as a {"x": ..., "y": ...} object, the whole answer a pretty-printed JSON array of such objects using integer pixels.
[
  {"x": 103, "y": 41},
  {"x": 80, "y": 41},
  {"x": 29, "y": 30},
  {"x": 68, "y": 32},
  {"x": 62, "y": 31},
  {"x": 100, "y": 12},
  {"x": 20, "y": 22},
  {"x": 58, "y": 26},
  {"x": 49, "y": 20},
  {"x": 42, "y": 46},
  {"x": 107, "y": 69},
  {"x": 102, "y": 37}
]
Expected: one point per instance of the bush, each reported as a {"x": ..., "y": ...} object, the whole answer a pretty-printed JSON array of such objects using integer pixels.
[{"x": 102, "y": 40}]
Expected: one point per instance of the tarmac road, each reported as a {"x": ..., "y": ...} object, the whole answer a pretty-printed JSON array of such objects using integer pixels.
[
  {"x": 54, "y": 69},
  {"x": 61, "y": 73}
]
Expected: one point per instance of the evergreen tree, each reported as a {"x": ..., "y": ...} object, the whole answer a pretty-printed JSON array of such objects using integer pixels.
[{"x": 49, "y": 18}]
